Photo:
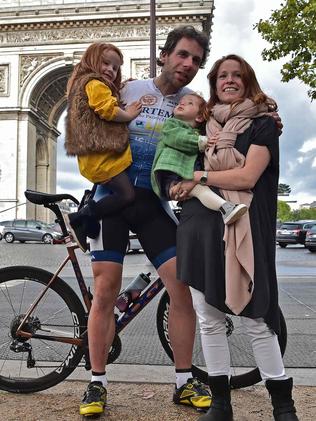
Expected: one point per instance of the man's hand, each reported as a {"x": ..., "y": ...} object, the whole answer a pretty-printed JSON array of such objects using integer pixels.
[{"x": 278, "y": 121}]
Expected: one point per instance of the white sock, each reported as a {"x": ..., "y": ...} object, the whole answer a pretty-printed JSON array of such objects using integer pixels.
[
  {"x": 100, "y": 378},
  {"x": 182, "y": 378}
]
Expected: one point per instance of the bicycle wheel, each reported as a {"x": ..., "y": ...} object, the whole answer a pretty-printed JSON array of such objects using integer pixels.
[
  {"x": 244, "y": 371},
  {"x": 31, "y": 365}
]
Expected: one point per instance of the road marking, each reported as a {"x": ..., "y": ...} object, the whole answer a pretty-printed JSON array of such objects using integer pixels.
[{"x": 298, "y": 301}]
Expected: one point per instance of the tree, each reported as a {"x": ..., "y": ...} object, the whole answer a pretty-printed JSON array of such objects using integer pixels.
[
  {"x": 302, "y": 214},
  {"x": 284, "y": 189},
  {"x": 292, "y": 32},
  {"x": 284, "y": 211}
]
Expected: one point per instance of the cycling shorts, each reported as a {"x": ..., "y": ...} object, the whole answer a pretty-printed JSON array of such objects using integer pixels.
[{"x": 146, "y": 217}]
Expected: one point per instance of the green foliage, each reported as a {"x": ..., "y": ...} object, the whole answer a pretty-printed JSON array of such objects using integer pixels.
[
  {"x": 284, "y": 211},
  {"x": 292, "y": 32},
  {"x": 284, "y": 189},
  {"x": 303, "y": 214},
  {"x": 285, "y": 214}
]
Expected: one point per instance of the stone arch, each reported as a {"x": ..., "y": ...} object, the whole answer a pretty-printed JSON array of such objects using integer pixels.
[{"x": 44, "y": 96}]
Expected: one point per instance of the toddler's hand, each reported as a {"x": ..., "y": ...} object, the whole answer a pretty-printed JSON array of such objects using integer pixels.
[{"x": 211, "y": 141}]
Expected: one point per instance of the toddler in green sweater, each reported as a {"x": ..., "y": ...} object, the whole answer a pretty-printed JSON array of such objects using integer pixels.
[{"x": 176, "y": 156}]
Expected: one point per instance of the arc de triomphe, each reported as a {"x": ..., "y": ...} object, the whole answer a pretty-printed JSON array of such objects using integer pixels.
[{"x": 40, "y": 42}]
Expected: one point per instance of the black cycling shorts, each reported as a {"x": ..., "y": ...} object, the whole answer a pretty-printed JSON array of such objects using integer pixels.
[{"x": 146, "y": 217}]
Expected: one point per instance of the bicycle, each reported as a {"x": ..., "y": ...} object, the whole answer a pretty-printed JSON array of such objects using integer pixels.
[{"x": 43, "y": 324}]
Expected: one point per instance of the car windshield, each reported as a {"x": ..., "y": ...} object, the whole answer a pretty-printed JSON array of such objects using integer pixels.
[{"x": 290, "y": 226}]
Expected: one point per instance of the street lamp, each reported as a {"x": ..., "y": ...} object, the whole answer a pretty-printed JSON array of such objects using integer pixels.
[{"x": 152, "y": 38}]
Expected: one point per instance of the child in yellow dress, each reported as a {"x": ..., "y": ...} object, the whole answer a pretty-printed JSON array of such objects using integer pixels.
[{"x": 96, "y": 132}]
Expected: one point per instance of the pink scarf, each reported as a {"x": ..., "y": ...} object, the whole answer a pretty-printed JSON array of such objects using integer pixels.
[{"x": 239, "y": 269}]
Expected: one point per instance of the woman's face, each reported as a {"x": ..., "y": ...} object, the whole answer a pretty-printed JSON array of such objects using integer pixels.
[{"x": 229, "y": 85}]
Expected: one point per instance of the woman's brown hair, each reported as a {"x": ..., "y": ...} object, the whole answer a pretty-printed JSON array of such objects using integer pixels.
[
  {"x": 91, "y": 63},
  {"x": 251, "y": 84}
]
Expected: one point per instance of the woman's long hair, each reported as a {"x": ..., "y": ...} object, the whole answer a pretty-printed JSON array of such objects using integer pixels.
[
  {"x": 91, "y": 63},
  {"x": 248, "y": 76}
]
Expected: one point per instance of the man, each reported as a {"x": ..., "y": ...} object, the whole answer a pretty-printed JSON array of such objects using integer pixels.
[{"x": 184, "y": 52}]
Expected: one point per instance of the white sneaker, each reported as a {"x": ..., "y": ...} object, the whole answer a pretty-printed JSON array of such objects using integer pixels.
[{"x": 232, "y": 212}]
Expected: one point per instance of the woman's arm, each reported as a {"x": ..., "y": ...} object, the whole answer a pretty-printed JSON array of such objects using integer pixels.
[{"x": 257, "y": 160}]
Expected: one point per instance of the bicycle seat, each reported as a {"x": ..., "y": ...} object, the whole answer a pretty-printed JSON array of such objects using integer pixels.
[{"x": 40, "y": 198}]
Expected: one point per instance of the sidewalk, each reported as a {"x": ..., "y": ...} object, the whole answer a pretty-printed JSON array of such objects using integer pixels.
[{"x": 143, "y": 393}]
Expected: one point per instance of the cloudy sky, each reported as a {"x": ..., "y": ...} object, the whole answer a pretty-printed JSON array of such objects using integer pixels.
[{"x": 233, "y": 33}]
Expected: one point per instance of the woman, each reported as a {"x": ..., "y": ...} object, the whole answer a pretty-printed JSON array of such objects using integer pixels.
[{"x": 236, "y": 120}]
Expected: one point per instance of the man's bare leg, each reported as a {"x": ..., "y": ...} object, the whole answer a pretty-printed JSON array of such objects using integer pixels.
[
  {"x": 101, "y": 330},
  {"x": 182, "y": 332},
  {"x": 181, "y": 315}
]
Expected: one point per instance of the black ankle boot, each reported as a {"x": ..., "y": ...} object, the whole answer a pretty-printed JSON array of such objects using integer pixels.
[
  {"x": 87, "y": 219},
  {"x": 221, "y": 409},
  {"x": 281, "y": 397}
]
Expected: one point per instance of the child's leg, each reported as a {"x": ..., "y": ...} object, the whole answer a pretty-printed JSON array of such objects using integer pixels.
[
  {"x": 207, "y": 197},
  {"x": 230, "y": 211},
  {"x": 122, "y": 194},
  {"x": 85, "y": 222}
]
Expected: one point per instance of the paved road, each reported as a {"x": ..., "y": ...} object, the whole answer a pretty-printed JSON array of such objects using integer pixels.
[{"x": 296, "y": 269}]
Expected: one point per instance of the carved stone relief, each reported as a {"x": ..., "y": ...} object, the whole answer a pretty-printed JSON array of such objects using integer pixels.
[
  {"x": 112, "y": 32},
  {"x": 4, "y": 79},
  {"x": 140, "y": 69},
  {"x": 29, "y": 63}
]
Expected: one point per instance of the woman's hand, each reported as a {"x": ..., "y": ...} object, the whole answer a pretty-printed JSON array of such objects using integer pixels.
[{"x": 181, "y": 191}]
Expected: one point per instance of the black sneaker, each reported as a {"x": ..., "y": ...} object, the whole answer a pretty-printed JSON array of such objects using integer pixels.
[
  {"x": 193, "y": 393},
  {"x": 94, "y": 400},
  {"x": 77, "y": 232}
]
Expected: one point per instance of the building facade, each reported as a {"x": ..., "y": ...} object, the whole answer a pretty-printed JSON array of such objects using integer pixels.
[{"x": 40, "y": 42}]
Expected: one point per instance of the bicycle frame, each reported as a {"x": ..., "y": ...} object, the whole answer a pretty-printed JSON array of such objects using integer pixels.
[{"x": 121, "y": 321}]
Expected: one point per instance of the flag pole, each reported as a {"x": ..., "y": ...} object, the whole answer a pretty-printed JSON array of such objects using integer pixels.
[{"x": 152, "y": 38}]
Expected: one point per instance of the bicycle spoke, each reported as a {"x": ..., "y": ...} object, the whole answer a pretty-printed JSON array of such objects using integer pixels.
[
  {"x": 4, "y": 288},
  {"x": 33, "y": 364}
]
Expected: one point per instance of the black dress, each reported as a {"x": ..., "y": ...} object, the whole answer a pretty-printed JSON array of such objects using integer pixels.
[{"x": 200, "y": 245}]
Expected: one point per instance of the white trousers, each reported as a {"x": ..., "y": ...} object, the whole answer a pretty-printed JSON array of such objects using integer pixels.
[{"x": 264, "y": 342}]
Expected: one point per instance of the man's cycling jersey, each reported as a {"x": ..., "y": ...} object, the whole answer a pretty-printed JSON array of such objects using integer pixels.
[{"x": 145, "y": 129}]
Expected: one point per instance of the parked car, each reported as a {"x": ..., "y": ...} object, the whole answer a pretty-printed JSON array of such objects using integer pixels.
[
  {"x": 133, "y": 243},
  {"x": 29, "y": 230},
  {"x": 310, "y": 240},
  {"x": 293, "y": 232},
  {"x": 3, "y": 224}
]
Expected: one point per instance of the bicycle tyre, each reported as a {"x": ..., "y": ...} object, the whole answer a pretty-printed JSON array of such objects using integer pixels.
[
  {"x": 238, "y": 381},
  {"x": 59, "y": 308}
]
